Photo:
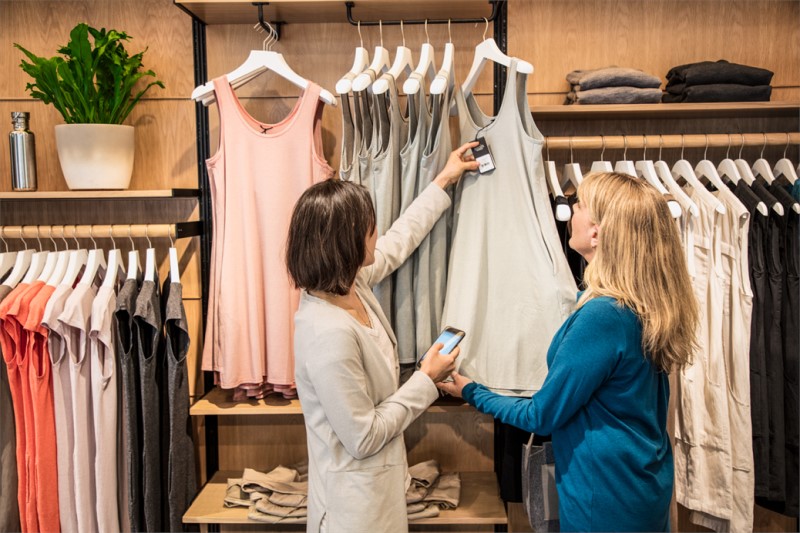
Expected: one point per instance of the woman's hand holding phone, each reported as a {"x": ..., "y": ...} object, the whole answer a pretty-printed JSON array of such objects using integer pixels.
[{"x": 439, "y": 366}]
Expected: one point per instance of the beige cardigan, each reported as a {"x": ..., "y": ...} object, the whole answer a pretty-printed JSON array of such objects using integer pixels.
[{"x": 355, "y": 414}]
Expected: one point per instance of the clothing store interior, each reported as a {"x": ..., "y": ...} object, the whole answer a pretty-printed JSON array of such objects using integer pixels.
[{"x": 171, "y": 365}]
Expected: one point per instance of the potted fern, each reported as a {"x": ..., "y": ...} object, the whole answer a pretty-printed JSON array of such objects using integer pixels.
[{"x": 92, "y": 86}]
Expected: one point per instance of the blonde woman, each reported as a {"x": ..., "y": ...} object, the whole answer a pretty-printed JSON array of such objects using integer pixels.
[{"x": 605, "y": 397}]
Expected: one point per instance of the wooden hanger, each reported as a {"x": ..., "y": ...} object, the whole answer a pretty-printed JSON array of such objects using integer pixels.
[
  {"x": 21, "y": 265},
  {"x": 95, "y": 263},
  {"x": 784, "y": 167},
  {"x": 625, "y": 166},
  {"x": 706, "y": 169},
  {"x": 489, "y": 51},
  {"x": 77, "y": 260},
  {"x": 134, "y": 264},
  {"x": 174, "y": 264},
  {"x": 7, "y": 259},
  {"x": 444, "y": 78},
  {"x": 360, "y": 62},
  {"x": 403, "y": 64},
  {"x": 572, "y": 171},
  {"x": 114, "y": 272},
  {"x": 646, "y": 170},
  {"x": 761, "y": 166},
  {"x": 257, "y": 62},
  {"x": 682, "y": 169},
  {"x": 149, "y": 259},
  {"x": 602, "y": 165},
  {"x": 61, "y": 265},
  {"x": 563, "y": 211},
  {"x": 380, "y": 63},
  {"x": 50, "y": 264},
  {"x": 37, "y": 262},
  {"x": 664, "y": 173},
  {"x": 426, "y": 68}
]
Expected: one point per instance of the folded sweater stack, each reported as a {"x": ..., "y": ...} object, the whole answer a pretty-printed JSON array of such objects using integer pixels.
[
  {"x": 613, "y": 85},
  {"x": 717, "y": 81},
  {"x": 281, "y": 495}
]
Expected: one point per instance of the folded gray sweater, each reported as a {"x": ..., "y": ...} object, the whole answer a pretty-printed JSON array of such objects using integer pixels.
[
  {"x": 613, "y": 77},
  {"x": 615, "y": 95}
]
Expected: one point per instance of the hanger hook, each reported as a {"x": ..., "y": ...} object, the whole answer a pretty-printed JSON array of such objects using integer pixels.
[
  {"x": 570, "y": 150},
  {"x": 486, "y": 28},
  {"x": 50, "y": 236},
  {"x": 741, "y": 145},
  {"x": 169, "y": 234},
  {"x": 91, "y": 236},
  {"x": 22, "y": 236},
  {"x": 763, "y": 145},
  {"x": 403, "y": 32},
  {"x": 360, "y": 38},
  {"x": 146, "y": 236},
  {"x": 427, "y": 37},
  {"x": 785, "y": 148},
  {"x": 625, "y": 151},
  {"x": 603, "y": 151},
  {"x": 130, "y": 237},
  {"x": 63, "y": 238},
  {"x": 728, "y": 152},
  {"x": 449, "y": 35},
  {"x": 380, "y": 27},
  {"x": 38, "y": 239},
  {"x": 5, "y": 244},
  {"x": 682, "y": 145},
  {"x": 660, "y": 145},
  {"x": 644, "y": 153},
  {"x": 75, "y": 236},
  {"x": 705, "y": 152},
  {"x": 111, "y": 236}
]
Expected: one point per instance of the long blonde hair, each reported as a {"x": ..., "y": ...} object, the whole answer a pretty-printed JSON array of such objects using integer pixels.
[{"x": 639, "y": 262}]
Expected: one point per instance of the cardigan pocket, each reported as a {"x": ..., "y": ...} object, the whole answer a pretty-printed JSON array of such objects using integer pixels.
[{"x": 368, "y": 500}]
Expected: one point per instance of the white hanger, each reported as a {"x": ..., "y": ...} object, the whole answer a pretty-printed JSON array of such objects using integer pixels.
[
  {"x": 21, "y": 264},
  {"x": 602, "y": 165},
  {"x": 134, "y": 265},
  {"x": 683, "y": 169},
  {"x": 646, "y": 170},
  {"x": 729, "y": 168},
  {"x": 174, "y": 264},
  {"x": 95, "y": 264},
  {"x": 360, "y": 62},
  {"x": 114, "y": 272},
  {"x": 784, "y": 167},
  {"x": 77, "y": 260},
  {"x": 425, "y": 68},
  {"x": 662, "y": 169},
  {"x": 706, "y": 169},
  {"x": 403, "y": 64},
  {"x": 444, "y": 78},
  {"x": 150, "y": 259},
  {"x": 488, "y": 50},
  {"x": 257, "y": 62},
  {"x": 761, "y": 166},
  {"x": 625, "y": 166},
  {"x": 37, "y": 262},
  {"x": 7, "y": 258},
  {"x": 563, "y": 211},
  {"x": 50, "y": 263},
  {"x": 380, "y": 63},
  {"x": 572, "y": 170},
  {"x": 61, "y": 265}
]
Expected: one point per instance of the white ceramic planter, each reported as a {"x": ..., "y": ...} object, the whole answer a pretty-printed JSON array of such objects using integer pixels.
[{"x": 95, "y": 156}]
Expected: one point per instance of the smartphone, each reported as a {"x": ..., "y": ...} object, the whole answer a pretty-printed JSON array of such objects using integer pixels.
[{"x": 450, "y": 337}]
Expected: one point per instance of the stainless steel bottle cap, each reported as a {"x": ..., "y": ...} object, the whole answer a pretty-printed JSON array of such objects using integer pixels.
[{"x": 16, "y": 116}]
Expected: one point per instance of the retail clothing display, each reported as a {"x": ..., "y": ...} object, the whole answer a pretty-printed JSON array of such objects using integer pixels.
[
  {"x": 599, "y": 383},
  {"x": 614, "y": 95},
  {"x": 249, "y": 329},
  {"x": 506, "y": 250},
  {"x": 613, "y": 85},
  {"x": 720, "y": 93},
  {"x": 358, "y": 448},
  {"x": 717, "y": 81},
  {"x": 612, "y": 77}
]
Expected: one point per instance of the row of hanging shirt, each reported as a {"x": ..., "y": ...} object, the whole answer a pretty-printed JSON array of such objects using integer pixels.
[
  {"x": 94, "y": 393},
  {"x": 492, "y": 266},
  {"x": 736, "y": 407}
]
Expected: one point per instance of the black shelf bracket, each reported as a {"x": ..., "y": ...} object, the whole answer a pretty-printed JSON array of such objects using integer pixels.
[
  {"x": 268, "y": 27},
  {"x": 350, "y": 5}
]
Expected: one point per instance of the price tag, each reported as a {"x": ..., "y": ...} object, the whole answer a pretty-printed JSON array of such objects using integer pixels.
[{"x": 483, "y": 156}]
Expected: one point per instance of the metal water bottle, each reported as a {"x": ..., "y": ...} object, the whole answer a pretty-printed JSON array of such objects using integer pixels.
[{"x": 23, "y": 153}]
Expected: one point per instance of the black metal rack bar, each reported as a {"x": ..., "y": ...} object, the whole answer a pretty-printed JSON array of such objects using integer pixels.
[{"x": 491, "y": 18}]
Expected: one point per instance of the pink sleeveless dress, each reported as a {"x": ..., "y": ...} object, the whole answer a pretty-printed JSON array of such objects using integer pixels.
[{"x": 256, "y": 177}]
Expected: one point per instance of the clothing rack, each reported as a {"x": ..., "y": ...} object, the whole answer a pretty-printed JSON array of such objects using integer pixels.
[
  {"x": 495, "y": 9},
  {"x": 180, "y": 230},
  {"x": 711, "y": 140}
]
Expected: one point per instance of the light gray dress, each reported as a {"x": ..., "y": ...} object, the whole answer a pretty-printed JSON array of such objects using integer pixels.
[{"x": 509, "y": 286}]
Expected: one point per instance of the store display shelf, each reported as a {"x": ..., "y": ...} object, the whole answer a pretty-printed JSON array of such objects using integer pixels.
[
  {"x": 711, "y": 110},
  {"x": 90, "y": 195},
  {"x": 291, "y": 11},
  {"x": 218, "y": 402},
  {"x": 480, "y": 503}
]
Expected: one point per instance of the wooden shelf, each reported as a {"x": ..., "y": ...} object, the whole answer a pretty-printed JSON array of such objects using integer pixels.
[
  {"x": 90, "y": 195},
  {"x": 711, "y": 110},
  {"x": 244, "y": 12},
  {"x": 218, "y": 403},
  {"x": 480, "y": 503}
]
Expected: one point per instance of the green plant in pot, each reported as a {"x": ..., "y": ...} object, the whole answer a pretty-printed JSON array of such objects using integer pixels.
[{"x": 92, "y": 86}]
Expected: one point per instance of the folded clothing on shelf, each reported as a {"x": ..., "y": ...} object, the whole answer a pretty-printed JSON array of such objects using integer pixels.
[
  {"x": 612, "y": 77},
  {"x": 715, "y": 72},
  {"x": 615, "y": 95},
  {"x": 721, "y": 92}
]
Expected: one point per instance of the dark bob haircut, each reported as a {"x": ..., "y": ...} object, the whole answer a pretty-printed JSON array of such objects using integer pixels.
[{"x": 326, "y": 244}]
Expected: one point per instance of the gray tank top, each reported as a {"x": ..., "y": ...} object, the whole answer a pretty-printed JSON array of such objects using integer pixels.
[
  {"x": 410, "y": 158},
  {"x": 505, "y": 250},
  {"x": 430, "y": 259},
  {"x": 349, "y": 141}
]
